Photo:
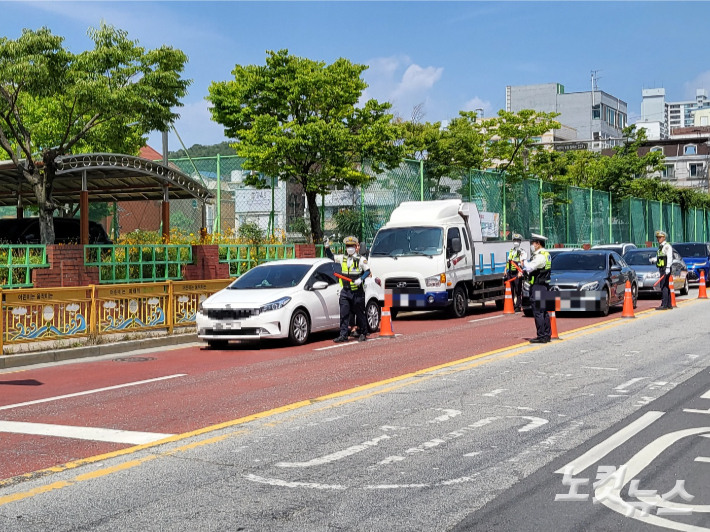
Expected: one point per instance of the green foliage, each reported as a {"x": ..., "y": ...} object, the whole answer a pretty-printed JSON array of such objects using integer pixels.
[
  {"x": 296, "y": 118},
  {"x": 300, "y": 225},
  {"x": 347, "y": 223},
  {"x": 106, "y": 99},
  {"x": 180, "y": 221},
  {"x": 198, "y": 150},
  {"x": 251, "y": 233}
]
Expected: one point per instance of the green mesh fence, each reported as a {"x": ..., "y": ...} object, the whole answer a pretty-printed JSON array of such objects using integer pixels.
[{"x": 566, "y": 215}]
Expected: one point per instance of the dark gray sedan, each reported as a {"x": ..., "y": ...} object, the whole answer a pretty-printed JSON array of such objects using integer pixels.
[
  {"x": 647, "y": 273},
  {"x": 601, "y": 272}
]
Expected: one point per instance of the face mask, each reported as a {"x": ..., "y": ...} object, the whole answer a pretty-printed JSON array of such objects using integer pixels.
[
  {"x": 516, "y": 244},
  {"x": 351, "y": 252}
]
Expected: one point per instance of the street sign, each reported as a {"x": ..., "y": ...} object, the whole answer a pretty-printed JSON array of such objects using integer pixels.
[{"x": 571, "y": 146}]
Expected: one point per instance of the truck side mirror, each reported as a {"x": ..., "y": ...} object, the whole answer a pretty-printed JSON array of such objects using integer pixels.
[{"x": 455, "y": 245}]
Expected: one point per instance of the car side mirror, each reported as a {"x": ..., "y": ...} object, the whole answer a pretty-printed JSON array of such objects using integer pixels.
[
  {"x": 319, "y": 285},
  {"x": 455, "y": 245},
  {"x": 616, "y": 268}
]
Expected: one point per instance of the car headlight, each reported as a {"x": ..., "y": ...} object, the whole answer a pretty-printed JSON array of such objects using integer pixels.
[
  {"x": 652, "y": 275},
  {"x": 589, "y": 286},
  {"x": 275, "y": 305},
  {"x": 436, "y": 280},
  {"x": 699, "y": 265}
]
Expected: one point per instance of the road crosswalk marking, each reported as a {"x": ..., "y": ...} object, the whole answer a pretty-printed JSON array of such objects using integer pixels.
[{"x": 81, "y": 433}]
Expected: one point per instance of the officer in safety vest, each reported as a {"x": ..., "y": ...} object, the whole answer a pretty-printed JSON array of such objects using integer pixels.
[
  {"x": 663, "y": 259},
  {"x": 538, "y": 270},
  {"x": 352, "y": 295},
  {"x": 516, "y": 256}
]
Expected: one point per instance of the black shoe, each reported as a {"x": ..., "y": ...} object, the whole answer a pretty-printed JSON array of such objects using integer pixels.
[
  {"x": 354, "y": 334},
  {"x": 662, "y": 308},
  {"x": 341, "y": 339},
  {"x": 547, "y": 340},
  {"x": 538, "y": 341},
  {"x": 362, "y": 338}
]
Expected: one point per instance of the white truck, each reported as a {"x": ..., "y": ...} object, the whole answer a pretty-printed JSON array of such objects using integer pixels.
[{"x": 432, "y": 255}]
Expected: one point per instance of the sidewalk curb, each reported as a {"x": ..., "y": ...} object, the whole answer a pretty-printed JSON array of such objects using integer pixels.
[{"x": 58, "y": 355}]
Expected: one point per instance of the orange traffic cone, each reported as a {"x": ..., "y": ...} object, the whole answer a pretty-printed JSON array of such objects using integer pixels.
[
  {"x": 508, "y": 307},
  {"x": 553, "y": 321},
  {"x": 386, "y": 320},
  {"x": 628, "y": 302},
  {"x": 702, "y": 291},
  {"x": 671, "y": 285}
]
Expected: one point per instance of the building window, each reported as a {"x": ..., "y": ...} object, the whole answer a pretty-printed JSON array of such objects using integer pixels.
[
  {"x": 703, "y": 120},
  {"x": 691, "y": 150},
  {"x": 597, "y": 112},
  {"x": 668, "y": 171},
  {"x": 656, "y": 149},
  {"x": 622, "y": 120},
  {"x": 695, "y": 169},
  {"x": 610, "y": 116}
]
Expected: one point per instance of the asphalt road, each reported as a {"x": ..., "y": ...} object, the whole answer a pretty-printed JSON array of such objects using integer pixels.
[{"x": 475, "y": 444}]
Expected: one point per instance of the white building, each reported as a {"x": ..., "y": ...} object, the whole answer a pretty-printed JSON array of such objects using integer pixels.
[{"x": 658, "y": 114}]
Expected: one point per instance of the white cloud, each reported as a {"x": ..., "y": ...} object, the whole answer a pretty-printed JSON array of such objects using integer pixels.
[
  {"x": 400, "y": 81},
  {"x": 477, "y": 103},
  {"x": 701, "y": 81}
]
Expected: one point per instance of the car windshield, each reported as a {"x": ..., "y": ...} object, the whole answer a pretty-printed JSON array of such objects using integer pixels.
[
  {"x": 408, "y": 241},
  {"x": 579, "y": 261},
  {"x": 271, "y": 276},
  {"x": 639, "y": 258},
  {"x": 691, "y": 250}
]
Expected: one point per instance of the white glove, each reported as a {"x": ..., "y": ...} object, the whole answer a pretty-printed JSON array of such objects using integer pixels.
[
  {"x": 653, "y": 260},
  {"x": 326, "y": 242},
  {"x": 357, "y": 282},
  {"x": 668, "y": 270}
]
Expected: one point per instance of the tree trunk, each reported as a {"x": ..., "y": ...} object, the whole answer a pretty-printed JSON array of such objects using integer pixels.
[
  {"x": 314, "y": 215},
  {"x": 43, "y": 193}
]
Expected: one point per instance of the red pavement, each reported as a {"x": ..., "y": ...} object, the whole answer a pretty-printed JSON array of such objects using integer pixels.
[{"x": 222, "y": 385}]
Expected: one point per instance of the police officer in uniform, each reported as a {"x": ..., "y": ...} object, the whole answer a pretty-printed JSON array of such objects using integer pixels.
[
  {"x": 663, "y": 259},
  {"x": 538, "y": 268},
  {"x": 516, "y": 256},
  {"x": 352, "y": 295}
]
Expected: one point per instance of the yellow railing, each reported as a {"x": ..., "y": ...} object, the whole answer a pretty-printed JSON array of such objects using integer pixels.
[{"x": 32, "y": 315}]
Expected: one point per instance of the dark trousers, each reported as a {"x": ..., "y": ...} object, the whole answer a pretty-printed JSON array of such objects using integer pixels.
[
  {"x": 516, "y": 286},
  {"x": 665, "y": 291},
  {"x": 542, "y": 318},
  {"x": 352, "y": 303}
]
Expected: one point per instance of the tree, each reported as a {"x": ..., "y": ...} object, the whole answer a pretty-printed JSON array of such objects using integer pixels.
[
  {"x": 298, "y": 119},
  {"x": 198, "y": 150},
  {"x": 54, "y": 102}
]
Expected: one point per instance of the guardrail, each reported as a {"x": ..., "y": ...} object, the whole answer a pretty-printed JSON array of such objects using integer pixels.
[
  {"x": 63, "y": 313},
  {"x": 243, "y": 257},
  {"x": 17, "y": 263},
  {"x": 139, "y": 263}
]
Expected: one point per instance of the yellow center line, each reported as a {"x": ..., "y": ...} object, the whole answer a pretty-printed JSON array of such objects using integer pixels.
[{"x": 462, "y": 364}]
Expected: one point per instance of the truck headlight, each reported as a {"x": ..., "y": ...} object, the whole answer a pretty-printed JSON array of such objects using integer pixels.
[
  {"x": 436, "y": 280},
  {"x": 275, "y": 305},
  {"x": 589, "y": 286}
]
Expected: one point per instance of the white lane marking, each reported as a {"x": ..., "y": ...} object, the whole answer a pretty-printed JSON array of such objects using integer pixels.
[
  {"x": 387, "y": 428},
  {"x": 484, "y": 319},
  {"x": 617, "y": 395},
  {"x": 494, "y": 392},
  {"x": 337, "y": 455},
  {"x": 706, "y": 395},
  {"x": 622, "y": 387},
  {"x": 347, "y": 344},
  {"x": 395, "y": 486},
  {"x": 89, "y": 392},
  {"x": 597, "y": 367},
  {"x": 391, "y": 460},
  {"x": 475, "y": 453},
  {"x": 286, "y": 484},
  {"x": 448, "y": 414},
  {"x": 81, "y": 433},
  {"x": 692, "y": 356},
  {"x": 694, "y": 411},
  {"x": 702, "y": 458},
  {"x": 612, "y": 442},
  {"x": 535, "y": 422}
]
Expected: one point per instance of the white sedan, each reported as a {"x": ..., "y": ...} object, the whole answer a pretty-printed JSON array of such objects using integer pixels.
[{"x": 282, "y": 299}]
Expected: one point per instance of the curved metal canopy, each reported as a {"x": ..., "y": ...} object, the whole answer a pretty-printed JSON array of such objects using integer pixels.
[{"x": 109, "y": 177}]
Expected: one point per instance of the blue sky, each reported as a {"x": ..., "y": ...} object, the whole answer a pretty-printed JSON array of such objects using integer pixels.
[{"x": 450, "y": 56}]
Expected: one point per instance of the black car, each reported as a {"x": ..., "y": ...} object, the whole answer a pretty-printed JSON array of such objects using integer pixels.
[
  {"x": 602, "y": 272},
  {"x": 66, "y": 231}
]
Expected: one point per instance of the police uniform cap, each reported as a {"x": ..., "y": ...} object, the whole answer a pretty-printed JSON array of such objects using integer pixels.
[
  {"x": 517, "y": 236},
  {"x": 538, "y": 238},
  {"x": 661, "y": 233},
  {"x": 350, "y": 241}
]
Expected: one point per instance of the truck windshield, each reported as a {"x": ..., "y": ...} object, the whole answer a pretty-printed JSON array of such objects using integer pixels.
[{"x": 398, "y": 242}]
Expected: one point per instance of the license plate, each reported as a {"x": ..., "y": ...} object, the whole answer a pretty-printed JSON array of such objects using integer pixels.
[{"x": 228, "y": 325}]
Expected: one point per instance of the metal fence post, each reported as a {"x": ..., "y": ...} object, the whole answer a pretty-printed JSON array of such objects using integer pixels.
[
  {"x": 272, "y": 218},
  {"x": 611, "y": 227},
  {"x": 322, "y": 212},
  {"x": 218, "y": 217},
  {"x": 539, "y": 183},
  {"x": 661, "y": 202},
  {"x": 2, "y": 323},
  {"x": 470, "y": 189},
  {"x": 505, "y": 220},
  {"x": 591, "y": 216},
  {"x": 93, "y": 309},
  {"x": 672, "y": 220},
  {"x": 421, "y": 180},
  {"x": 169, "y": 318},
  {"x": 567, "y": 217}
]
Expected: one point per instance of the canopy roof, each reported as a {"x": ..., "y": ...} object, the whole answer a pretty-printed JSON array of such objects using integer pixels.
[{"x": 109, "y": 177}]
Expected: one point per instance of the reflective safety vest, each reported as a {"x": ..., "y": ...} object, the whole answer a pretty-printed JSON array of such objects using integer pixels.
[
  {"x": 354, "y": 272},
  {"x": 514, "y": 256},
  {"x": 661, "y": 257},
  {"x": 542, "y": 275}
]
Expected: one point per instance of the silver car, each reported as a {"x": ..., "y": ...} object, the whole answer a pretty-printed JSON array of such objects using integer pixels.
[{"x": 648, "y": 275}]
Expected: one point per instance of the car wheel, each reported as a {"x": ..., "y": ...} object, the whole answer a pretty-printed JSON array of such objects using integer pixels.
[
  {"x": 459, "y": 305},
  {"x": 608, "y": 300},
  {"x": 218, "y": 344},
  {"x": 300, "y": 328},
  {"x": 372, "y": 313},
  {"x": 635, "y": 294},
  {"x": 684, "y": 291}
]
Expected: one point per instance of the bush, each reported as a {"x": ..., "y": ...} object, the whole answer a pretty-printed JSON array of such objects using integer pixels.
[{"x": 251, "y": 233}]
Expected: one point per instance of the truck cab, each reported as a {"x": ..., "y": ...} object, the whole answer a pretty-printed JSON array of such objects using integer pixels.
[{"x": 432, "y": 255}]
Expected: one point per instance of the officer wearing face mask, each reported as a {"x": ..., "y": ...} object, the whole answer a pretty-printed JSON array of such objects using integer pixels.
[
  {"x": 352, "y": 295},
  {"x": 663, "y": 259},
  {"x": 516, "y": 256}
]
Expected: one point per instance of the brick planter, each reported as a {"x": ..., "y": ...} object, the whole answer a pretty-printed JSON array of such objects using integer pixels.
[
  {"x": 66, "y": 268},
  {"x": 205, "y": 265},
  {"x": 305, "y": 251}
]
